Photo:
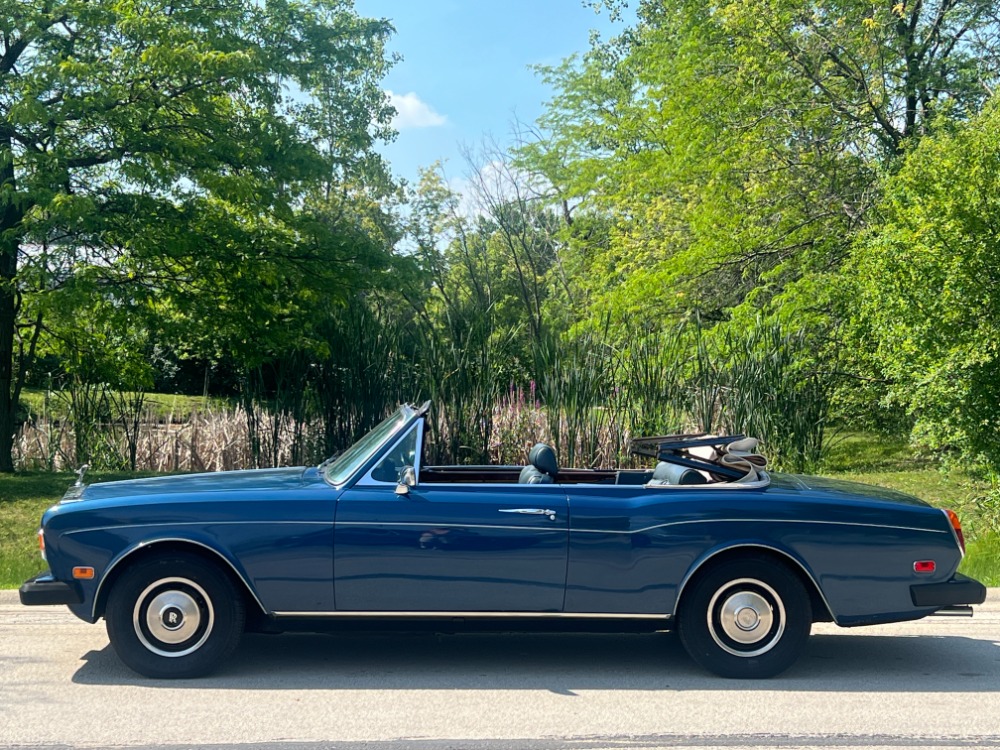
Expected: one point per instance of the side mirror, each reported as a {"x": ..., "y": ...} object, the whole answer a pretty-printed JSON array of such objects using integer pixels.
[{"x": 407, "y": 479}]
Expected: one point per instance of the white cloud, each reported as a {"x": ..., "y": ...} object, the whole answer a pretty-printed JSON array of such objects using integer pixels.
[{"x": 412, "y": 112}]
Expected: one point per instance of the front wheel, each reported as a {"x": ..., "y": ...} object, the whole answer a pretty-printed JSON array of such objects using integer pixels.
[
  {"x": 746, "y": 618},
  {"x": 174, "y": 617}
]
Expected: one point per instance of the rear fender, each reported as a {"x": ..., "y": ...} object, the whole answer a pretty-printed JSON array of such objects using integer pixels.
[{"x": 729, "y": 551}]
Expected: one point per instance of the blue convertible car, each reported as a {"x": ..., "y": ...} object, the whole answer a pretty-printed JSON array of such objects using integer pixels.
[{"x": 740, "y": 561}]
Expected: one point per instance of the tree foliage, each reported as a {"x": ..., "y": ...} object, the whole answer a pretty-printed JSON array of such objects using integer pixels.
[
  {"x": 176, "y": 149},
  {"x": 723, "y": 213},
  {"x": 737, "y": 147},
  {"x": 927, "y": 280}
]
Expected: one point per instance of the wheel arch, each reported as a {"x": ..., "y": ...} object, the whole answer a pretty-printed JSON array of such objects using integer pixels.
[
  {"x": 822, "y": 612},
  {"x": 151, "y": 548}
]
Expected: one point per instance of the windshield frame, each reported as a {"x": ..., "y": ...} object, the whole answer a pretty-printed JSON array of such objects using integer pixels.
[{"x": 356, "y": 458}]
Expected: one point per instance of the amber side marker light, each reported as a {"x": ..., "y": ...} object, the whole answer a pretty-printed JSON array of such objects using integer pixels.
[
  {"x": 83, "y": 573},
  {"x": 957, "y": 526}
]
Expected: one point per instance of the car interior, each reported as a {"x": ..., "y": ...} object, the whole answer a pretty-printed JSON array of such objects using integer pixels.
[{"x": 682, "y": 460}]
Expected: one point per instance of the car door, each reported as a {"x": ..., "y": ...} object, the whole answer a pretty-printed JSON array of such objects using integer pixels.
[{"x": 449, "y": 547}]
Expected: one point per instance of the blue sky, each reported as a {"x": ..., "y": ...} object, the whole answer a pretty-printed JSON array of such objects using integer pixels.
[{"x": 465, "y": 69}]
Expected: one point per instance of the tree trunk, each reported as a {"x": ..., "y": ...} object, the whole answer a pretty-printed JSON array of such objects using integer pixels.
[
  {"x": 10, "y": 218},
  {"x": 7, "y": 322}
]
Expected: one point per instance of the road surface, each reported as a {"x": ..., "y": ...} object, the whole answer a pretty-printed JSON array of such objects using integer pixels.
[{"x": 933, "y": 683}]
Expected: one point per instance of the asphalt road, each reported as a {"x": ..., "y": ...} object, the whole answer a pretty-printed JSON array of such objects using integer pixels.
[{"x": 934, "y": 683}]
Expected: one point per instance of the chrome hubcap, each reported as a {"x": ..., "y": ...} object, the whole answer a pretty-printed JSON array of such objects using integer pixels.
[
  {"x": 173, "y": 617},
  {"x": 746, "y": 617}
]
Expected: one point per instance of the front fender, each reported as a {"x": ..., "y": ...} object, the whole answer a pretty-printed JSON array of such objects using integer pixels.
[{"x": 201, "y": 544}]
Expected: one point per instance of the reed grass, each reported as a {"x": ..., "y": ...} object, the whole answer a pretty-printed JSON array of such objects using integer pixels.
[
  {"x": 213, "y": 440},
  {"x": 586, "y": 395}
]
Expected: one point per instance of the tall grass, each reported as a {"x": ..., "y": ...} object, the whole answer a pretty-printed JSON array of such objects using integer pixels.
[
  {"x": 576, "y": 383},
  {"x": 364, "y": 372},
  {"x": 767, "y": 393},
  {"x": 586, "y": 395},
  {"x": 212, "y": 440},
  {"x": 463, "y": 377},
  {"x": 656, "y": 398}
]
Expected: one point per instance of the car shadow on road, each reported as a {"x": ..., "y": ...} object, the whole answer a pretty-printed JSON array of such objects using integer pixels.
[{"x": 569, "y": 663}]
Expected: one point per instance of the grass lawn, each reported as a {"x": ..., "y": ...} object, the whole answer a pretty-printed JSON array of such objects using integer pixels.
[
  {"x": 890, "y": 463},
  {"x": 23, "y": 499},
  {"x": 162, "y": 407},
  {"x": 862, "y": 458},
  {"x": 982, "y": 560}
]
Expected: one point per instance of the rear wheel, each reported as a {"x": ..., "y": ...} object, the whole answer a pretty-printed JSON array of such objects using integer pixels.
[
  {"x": 174, "y": 617},
  {"x": 746, "y": 618}
]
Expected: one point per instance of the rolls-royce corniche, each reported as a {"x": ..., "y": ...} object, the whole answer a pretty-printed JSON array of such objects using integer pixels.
[{"x": 738, "y": 560}]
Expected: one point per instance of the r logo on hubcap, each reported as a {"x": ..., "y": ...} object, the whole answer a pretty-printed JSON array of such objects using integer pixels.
[{"x": 173, "y": 618}]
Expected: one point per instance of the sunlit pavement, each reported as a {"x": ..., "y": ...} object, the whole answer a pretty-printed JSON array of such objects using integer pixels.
[{"x": 932, "y": 683}]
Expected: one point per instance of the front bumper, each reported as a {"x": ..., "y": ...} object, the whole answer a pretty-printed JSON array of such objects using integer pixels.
[
  {"x": 44, "y": 589},
  {"x": 959, "y": 590}
]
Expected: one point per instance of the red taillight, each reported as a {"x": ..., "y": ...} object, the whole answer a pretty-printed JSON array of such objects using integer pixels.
[
  {"x": 41, "y": 544},
  {"x": 957, "y": 526}
]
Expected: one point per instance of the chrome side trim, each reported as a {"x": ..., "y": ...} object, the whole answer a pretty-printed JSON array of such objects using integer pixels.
[
  {"x": 149, "y": 542},
  {"x": 436, "y": 525},
  {"x": 353, "y": 614},
  {"x": 496, "y": 526},
  {"x": 755, "y": 520},
  {"x": 785, "y": 555},
  {"x": 197, "y": 523}
]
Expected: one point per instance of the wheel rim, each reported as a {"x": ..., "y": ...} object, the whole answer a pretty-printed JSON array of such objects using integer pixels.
[
  {"x": 173, "y": 617},
  {"x": 746, "y": 617}
]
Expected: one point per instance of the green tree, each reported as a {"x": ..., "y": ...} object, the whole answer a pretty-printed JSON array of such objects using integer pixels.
[
  {"x": 927, "y": 286},
  {"x": 737, "y": 147},
  {"x": 494, "y": 258},
  {"x": 172, "y": 147}
]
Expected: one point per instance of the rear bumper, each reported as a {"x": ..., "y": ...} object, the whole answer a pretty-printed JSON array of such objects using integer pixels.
[
  {"x": 959, "y": 590},
  {"x": 44, "y": 589}
]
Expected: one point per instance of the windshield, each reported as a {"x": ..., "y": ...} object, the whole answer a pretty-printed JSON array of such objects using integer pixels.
[{"x": 340, "y": 469}]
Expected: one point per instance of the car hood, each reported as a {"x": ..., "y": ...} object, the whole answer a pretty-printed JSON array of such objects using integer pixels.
[
  {"x": 223, "y": 481},
  {"x": 855, "y": 489}
]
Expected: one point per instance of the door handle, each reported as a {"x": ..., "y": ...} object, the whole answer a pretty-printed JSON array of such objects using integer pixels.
[{"x": 531, "y": 512}]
